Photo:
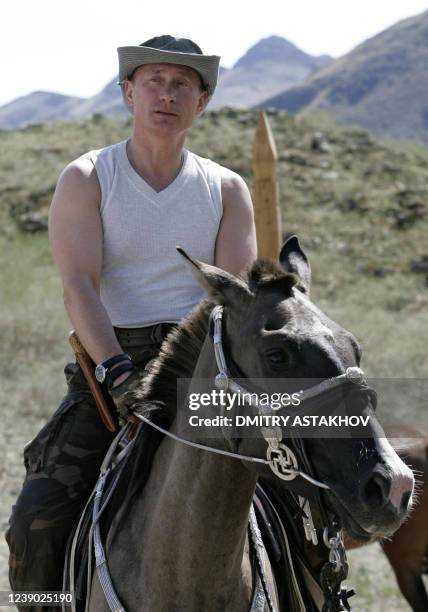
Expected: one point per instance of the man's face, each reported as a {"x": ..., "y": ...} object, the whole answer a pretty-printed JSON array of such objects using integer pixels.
[{"x": 165, "y": 97}]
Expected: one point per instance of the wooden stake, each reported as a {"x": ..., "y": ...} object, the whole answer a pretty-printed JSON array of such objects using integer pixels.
[{"x": 266, "y": 191}]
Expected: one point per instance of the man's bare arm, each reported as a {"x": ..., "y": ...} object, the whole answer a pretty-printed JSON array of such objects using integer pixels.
[
  {"x": 236, "y": 245},
  {"x": 76, "y": 238}
]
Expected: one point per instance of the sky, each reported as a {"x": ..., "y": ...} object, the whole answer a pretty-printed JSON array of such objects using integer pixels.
[{"x": 69, "y": 46}]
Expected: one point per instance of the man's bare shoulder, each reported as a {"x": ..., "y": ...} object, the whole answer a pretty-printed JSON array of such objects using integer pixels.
[
  {"x": 234, "y": 189},
  {"x": 231, "y": 180},
  {"x": 236, "y": 246},
  {"x": 79, "y": 180}
]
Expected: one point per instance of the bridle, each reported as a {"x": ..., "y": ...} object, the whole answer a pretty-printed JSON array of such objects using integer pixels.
[{"x": 279, "y": 458}]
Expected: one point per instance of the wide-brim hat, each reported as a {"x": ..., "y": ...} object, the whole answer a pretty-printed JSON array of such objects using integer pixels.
[{"x": 169, "y": 50}]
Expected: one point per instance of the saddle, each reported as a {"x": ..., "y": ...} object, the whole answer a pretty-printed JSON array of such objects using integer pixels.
[{"x": 125, "y": 480}]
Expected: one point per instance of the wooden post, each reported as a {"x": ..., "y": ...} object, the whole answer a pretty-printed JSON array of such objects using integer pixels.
[{"x": 266, "y": 192}]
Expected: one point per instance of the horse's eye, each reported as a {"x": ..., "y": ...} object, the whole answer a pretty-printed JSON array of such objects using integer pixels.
[{"x": 277, "y": 356}]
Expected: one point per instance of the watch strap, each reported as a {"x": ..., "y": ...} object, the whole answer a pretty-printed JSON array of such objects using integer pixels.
[
  {"x": 109, "y": 363},
  {"x": 111, "y": 375}
]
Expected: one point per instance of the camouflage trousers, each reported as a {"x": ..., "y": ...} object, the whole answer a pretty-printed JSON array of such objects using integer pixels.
[{"x": 62, "y": 464}]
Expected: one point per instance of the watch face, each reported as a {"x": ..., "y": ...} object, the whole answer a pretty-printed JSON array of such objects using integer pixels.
[{"x": 100, "y": 373}]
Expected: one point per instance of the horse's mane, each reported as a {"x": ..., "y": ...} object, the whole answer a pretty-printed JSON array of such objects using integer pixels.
[{"x": 180, "y": 350}]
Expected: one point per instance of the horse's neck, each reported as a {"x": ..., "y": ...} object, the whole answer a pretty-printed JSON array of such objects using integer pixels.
[{"x": 190, "y": 525}]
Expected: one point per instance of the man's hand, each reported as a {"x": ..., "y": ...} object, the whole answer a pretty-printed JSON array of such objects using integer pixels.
[
  {"x": 123, "y": 391},
  {"x": 120, "y": 379}
]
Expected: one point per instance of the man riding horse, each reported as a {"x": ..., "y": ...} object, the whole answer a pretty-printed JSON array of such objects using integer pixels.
[{"x": 115, "y": 219}]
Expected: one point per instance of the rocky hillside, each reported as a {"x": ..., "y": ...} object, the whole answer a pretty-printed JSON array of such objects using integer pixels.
[{"x": 381, "y": 85}]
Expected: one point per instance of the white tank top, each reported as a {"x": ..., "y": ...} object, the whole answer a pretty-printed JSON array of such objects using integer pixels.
[{"x": 144, "y": 280}]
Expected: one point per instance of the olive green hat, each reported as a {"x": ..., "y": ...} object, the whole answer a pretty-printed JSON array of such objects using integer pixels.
[{"x": 169, "y": 50}]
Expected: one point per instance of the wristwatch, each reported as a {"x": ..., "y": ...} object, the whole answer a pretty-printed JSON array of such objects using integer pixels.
[{"x": 102, "y": 369}]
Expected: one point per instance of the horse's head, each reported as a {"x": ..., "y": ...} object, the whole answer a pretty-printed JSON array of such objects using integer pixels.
[{"x": 272, "y": 330}]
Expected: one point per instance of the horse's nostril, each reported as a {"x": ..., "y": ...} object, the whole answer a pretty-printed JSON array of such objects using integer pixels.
[
  {"x": 405, "y": 501},
  {"x": 376, "y": 490}
]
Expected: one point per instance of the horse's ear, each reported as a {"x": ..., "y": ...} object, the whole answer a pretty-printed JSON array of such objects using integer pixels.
[
  {"x": 294, "y": 260},
  {"x": 222, "y": 287}
]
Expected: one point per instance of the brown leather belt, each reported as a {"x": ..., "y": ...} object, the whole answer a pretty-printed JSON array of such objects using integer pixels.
[{"x": 131, "y": 337}]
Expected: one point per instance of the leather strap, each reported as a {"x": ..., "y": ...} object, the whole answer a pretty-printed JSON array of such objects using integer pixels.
[
  {"x": 109, "y": 363},
  {"x": 111, "y": 375}
]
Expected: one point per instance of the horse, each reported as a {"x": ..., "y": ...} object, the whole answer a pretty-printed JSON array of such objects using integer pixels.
[
  {"x": 406, "y": 550},
  {"x": 184, "y": 543}
]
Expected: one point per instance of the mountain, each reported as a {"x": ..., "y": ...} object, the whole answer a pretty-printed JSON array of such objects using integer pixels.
[
  {"x": 381, "y": 85},
  {"x": 107, "y": 102},
  {"x": 267, "y": 68},
  {"x": 36, "y": 107}
]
